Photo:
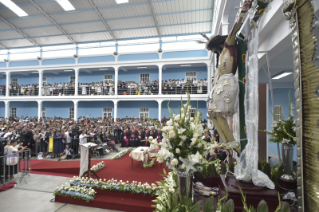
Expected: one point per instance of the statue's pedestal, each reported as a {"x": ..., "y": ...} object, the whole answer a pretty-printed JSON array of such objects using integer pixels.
[
  {"x": 286, "y": 185},
  {"x": 254, "y": 194}
]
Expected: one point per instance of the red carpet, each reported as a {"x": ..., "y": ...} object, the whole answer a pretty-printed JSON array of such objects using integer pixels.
[
  {"x": 118, "y": 169},
  {"x": 7, "y": 186}
]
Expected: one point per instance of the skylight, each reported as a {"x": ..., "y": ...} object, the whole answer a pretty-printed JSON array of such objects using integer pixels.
[
  {"x": 15, "y": 8},
  {"x": 121, "y": 1},
  {"x": 66, "y": 5}
]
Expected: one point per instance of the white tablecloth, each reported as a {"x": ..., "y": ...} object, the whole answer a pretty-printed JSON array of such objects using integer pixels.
[
  {"x": 85, "y": 157},
  {"x": 138, "y": 154}
]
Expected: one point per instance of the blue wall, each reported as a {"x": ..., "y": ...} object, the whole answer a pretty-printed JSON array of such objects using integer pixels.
[
  {"x": 95, "y": 109},
  {"x": 147, "y": 56},
  {"x": 29, "y": 109},
  {"x": 59, "y": 61},
  {"x": 280, "y": 97},
  {"x": 98, "y": 59},
  {"x": 3, "y": 80},
  {"x": 95, "y": 76},
  {"x": 3, "y": 65},
  {"x": 57, "y": 78},
  {"x": 174, "y": 105},
  {"x": 184, "y": 54},
  {"x": 58, "y": 109},
  {"x": 134, "y": 75},
  {"x": 132, "y": 108},
  {"x": 24, "y": 63},
  {"x": 180, "y": 73},
  {"x": 2, "y": 109},
  {"x": 26, "y": 80}
]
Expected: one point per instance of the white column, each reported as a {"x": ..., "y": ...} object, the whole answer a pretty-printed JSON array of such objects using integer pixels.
[
  {"x": 6, "y": 109},
  {"x": 75, "y": 110},
  {"x": 115, "y": 110},
  {"x": 8, "y": 83},
  {"x": 160, "y": 73},
  {"x": 40, "y": 82},
  {"x": 159, "y": 110},
  {"x": 116, "y": 78},
  {"x": 39, "y": 110},
  {"x": 209, "y": 77},
  {"x": 76, "y": 86},
  {"x": 224, "y": 28}
]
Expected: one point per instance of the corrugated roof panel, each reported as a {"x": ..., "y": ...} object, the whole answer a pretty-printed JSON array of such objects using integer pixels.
[
  {"x": 190, "y": 17},
  {"x": 92, "y": 37},
  {"x": 4, "y": 26},
  {"x": 9, "y": 35},
  {"x": 132, "y": 23},
  {"x": 181, "y": 5},
  {"x": 16, "y": 43},
  {"x": 43, "y": 31},
  {"x": 112, "y": 3},
  {"x": 76, "y": 17},
  {"x": 52, "y": 40},
  {"x": 30, "y": 22},
  {"x": 81, "y": 4},
  {"x": 136, "y": 33},
  {"x": 51, "y": 7},
  {"x": 85, "y": 27},
  {"x": 120, "y": 12},
  {"x": 186, "y": 29},
  {"x": 6, "y": 13}
]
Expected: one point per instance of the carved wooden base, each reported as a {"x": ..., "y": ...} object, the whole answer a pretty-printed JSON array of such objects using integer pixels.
[
  {"x": 254, "y": 194},
  {"x": 288, "y": 185}
]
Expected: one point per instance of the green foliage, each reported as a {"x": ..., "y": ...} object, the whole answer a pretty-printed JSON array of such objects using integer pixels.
[
  {"x": 285, "y": 207},
  {"x": 283, "y": 130},
  {"x": 279, "y": 173},
  {"x": 232, "y": 167},
  {"x": 209, "y": 205},
  {"x": 186, "y": 205},
  {"x": 267, "y": 170},
  {"x": 262, "y": 206},
  {"x": 223, "y": 168},
  {"x": 228, "y": 206}
]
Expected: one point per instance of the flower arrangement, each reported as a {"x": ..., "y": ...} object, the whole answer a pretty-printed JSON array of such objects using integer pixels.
[
  {"x": 122, "y": 153},
  {"x": 98, "y": 167},
  {"x": 182, "y": 146},
  {"x": 284, "y": 131},
  {"x": 133, "y": 187},
  {"x": 77, "y": 192}
]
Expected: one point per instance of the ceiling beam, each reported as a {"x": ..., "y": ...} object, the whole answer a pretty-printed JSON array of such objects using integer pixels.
[
  {"x": 19, "y": 31},
  {"x": 108, "y": 28},
  {"x": 52, "y": 20},
  {"x": 154, "y": 18},
  {"x": 3, "y": 46}
]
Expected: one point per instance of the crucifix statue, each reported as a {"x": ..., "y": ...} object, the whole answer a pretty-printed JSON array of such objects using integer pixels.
[{"x": 223, "y": 98}]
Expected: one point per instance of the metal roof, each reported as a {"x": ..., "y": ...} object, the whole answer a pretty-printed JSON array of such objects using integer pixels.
[{"x": 101, "y": 20}]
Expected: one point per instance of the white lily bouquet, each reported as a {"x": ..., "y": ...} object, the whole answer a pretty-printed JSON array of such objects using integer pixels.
[{"x": 182, "y": 147}]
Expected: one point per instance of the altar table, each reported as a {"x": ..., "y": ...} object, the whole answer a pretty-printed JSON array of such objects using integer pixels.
[{"x": 139, "y": 154}]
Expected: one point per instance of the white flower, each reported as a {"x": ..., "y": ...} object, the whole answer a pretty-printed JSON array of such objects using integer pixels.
[
  {"x": 195, "y": 135},
  {"x": 171, "y": 190},
  {"x": 170, "y": 128},
  {"x": 159, "y": 207},
  {"x": 172, "y": 134},
  {"x": 192, "y": 119},
  {"x": 169, "y": 123},
  {"x": 196, "y": 158},
  {"x": 199, "y": 145},
  {"x": 192, "y": 125},
  {"x": 174, "y": 162},
  {"x": 187, "y": 164},
  {"x": 176, "y": 124},
  {"x": 193, "y": 141},
  {"x": 178, "y": 117},
  {"x": 177, "y": 150},
  {"x": 284, "y": 140},
  {"x": 181, "y": 130},
  {"x": 183, "y": 137},
  {"x": 180, "y": 143}
]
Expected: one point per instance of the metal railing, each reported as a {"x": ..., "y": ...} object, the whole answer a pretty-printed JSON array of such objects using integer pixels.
[
  {"x": 2, "y": 92},
  {"x": 17, "y": 165},
  {"x": 48, "y": 91},
  {"x": 96, "y": 91},
  {"x": 24, "y": 92},
  {"x": 165, "y": 90}
]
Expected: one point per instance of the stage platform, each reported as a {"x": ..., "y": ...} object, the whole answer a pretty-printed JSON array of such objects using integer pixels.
[{"x": 119, "y": 169}]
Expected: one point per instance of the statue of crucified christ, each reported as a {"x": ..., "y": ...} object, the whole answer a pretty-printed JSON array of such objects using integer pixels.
[{"x": 223, "y": 98}]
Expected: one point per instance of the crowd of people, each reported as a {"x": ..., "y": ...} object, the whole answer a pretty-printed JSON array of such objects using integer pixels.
[{"x": 22, "y": 90}]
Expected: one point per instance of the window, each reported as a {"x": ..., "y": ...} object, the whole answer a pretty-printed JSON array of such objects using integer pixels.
[
  {"x": 14, "y": 81},
  {"x": 108, "y": 78},
  {"x": 277, "y": 112},
  {"x": 44, "y": 80},
  {"x": 144, "y": 77},
  {"x": 193, "y": 111},
  {"x": 43, "y": 112},
  {"x": 71, "y": 112},
  {"x": 13, "y": 111},
  {"x": 107, "y": 112},
  {"x": 72, "y": 79},
  {"x": 190, "y": 75},
  {"x": 144, "y": 112}
]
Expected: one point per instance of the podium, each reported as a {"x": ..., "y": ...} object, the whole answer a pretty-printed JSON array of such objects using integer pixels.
[{"x": 85, "y": 166}]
